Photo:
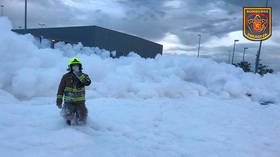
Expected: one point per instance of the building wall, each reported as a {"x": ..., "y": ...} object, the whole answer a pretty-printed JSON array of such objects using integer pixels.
[
  {"x": 93, "y": 36},
  {"x": 67, "y": 34},
  {"x": 124, "y": 43}
]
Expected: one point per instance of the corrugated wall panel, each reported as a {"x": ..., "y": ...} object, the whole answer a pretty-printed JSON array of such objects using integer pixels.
[{"x": 93, "y": 36}]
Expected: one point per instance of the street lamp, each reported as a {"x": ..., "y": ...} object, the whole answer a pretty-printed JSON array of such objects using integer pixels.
[
  {"x": 2, "y": 10},
  {"x": 199, "y": 37},
  {"x": 25, "y": 15},
  {"x": 259, "y": 51},
  {"x": 245, "y": 48},
  {"x": 233, "y": 50}
]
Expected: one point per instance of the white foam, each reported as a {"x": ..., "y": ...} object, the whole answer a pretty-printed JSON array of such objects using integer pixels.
[{"x": 32, "y": 70}]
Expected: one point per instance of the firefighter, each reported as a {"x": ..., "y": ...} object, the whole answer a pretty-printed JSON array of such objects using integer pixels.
[{"x": 72, "y": 90}]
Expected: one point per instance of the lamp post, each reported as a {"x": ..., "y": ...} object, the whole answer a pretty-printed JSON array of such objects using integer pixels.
[
  {"x": 25, "y": 15},
  {"x": 2, "y": 10},
  {"x": 199, "y": 37},
  {"x": 259, "y": 51},
  {"x": 245, "y": 48},
  {"x": 233, "y": 50}
]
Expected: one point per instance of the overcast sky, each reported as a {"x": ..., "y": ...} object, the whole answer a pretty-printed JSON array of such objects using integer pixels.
[{"x": 173, "y": 23}]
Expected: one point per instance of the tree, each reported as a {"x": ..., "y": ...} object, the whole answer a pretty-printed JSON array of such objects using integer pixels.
[
  {"x": 264, "y": 69},
  {"x": 246, "y": 66}
]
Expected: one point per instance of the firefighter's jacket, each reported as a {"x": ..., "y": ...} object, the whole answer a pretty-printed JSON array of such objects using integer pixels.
[{"x": 72, "y": 88}]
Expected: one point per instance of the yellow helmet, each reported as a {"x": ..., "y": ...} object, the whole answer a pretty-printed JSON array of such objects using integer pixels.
[{"x": 74, "y": 61}]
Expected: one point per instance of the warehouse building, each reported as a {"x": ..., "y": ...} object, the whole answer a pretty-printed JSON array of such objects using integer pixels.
[{"x": 94, "y": 36}]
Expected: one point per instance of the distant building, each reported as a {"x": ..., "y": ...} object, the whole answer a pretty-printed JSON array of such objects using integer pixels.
[{"x": 94, "y": 36}]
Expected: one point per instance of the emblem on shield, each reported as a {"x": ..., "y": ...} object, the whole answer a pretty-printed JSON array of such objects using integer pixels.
[{"x": 257, "y": 23}]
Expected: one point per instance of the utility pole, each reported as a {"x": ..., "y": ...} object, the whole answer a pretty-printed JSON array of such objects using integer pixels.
[
  {"x": 199, "y": 37},
  {"x": 25, "y": 15},
  {"x": 259, "y": 51},
  {"x": 233, "y": 50},
  {"x": 245, "y": 48},
  {"x": 2, "y": 10}
]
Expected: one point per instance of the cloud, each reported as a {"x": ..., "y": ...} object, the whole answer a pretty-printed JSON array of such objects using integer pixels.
[
  {"x": 150, "y": 19},
  {"x": 172, "y": 44},
  {"x": 219, "y": 22}
]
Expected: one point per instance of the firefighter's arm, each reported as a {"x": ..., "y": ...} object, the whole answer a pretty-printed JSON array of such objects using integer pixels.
[
  {"x": 60, "y": 92},
  {"x": 85, "y": 80}
]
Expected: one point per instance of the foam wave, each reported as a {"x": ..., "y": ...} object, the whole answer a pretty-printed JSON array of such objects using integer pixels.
[{"x": 31, "y": 70}]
